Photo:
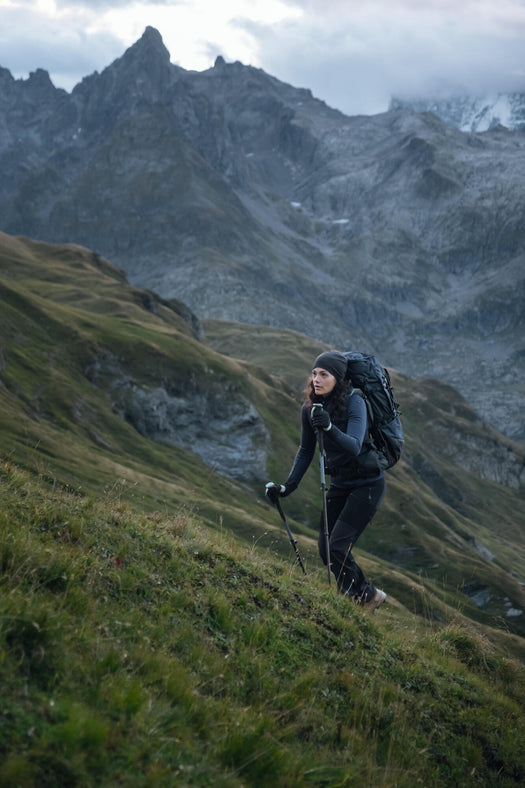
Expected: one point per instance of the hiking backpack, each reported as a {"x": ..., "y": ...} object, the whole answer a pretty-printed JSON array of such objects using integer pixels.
[{"x": 372, "y": 382}]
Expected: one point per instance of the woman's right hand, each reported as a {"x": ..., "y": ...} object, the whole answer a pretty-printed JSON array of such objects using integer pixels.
[{"x": 275, "y": 491}]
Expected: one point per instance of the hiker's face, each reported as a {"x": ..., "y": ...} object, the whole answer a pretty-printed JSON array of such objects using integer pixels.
[{"x": 323, "y": 381}]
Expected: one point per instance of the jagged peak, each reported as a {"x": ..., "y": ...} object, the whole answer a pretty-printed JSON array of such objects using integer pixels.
[
  {"x": 150, "y": 43},
  {"x": 6, "y": 76},
  {"x": 147, "y": 56},
  {"x": 152, "y": 35},
  {"x": 39, "y": 78}
]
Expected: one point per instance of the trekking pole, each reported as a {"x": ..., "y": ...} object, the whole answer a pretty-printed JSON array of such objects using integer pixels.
[
  {"x": 320, "y": 438},
  {"x": 293, "y": 541}
]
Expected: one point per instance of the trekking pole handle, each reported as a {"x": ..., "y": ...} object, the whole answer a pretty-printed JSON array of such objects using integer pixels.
[
  {"x": 318, "y": 432},
  {"x": 320, "y": 440}
]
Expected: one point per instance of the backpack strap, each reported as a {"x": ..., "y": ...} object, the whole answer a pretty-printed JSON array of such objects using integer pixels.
[{"x": 368, "y": 406}]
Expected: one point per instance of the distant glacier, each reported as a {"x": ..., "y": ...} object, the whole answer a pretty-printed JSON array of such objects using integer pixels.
[{"x": 472, "y": 113}]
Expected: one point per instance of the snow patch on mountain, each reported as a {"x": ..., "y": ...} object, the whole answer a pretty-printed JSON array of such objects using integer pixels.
[{"x": 472, "y": 113}]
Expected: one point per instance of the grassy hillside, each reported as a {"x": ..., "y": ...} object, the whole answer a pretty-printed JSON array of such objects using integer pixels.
[
  {"x": 154, "y": 626},
  {"x": 64, "y": 313},
  {"x": 143, "y": 649}
]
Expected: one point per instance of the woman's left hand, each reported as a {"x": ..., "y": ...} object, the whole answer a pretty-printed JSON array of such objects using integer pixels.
[{"x": 321, "y": 419}]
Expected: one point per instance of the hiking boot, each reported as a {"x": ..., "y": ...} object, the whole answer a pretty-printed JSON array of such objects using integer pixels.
[{"x": 376, "y": 600}]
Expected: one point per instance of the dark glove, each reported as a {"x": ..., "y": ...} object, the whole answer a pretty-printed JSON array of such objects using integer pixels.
[
  {"x": 321, "y": 419},
  {"x": 276, "y": 491}
]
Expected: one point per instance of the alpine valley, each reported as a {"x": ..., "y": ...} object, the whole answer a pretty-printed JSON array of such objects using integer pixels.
[{"x": 251, "y": 201}]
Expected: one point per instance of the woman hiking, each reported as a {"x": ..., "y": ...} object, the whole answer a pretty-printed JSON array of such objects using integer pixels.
[{"x": 355, "y": 492}]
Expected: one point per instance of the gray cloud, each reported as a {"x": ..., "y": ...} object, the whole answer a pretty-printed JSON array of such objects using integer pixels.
[
  {"x": 353, "y": 54},
  {"x": 67, "y": 53},
  {"x": 357, "y": 62},
  {"x": 106, "y": 5}
]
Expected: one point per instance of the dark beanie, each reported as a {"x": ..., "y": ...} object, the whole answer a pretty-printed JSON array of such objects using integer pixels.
[{"x": 334, "y": 363}]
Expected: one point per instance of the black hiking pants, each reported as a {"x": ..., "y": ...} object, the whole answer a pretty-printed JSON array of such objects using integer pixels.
[{"x": 348, "y": 514}]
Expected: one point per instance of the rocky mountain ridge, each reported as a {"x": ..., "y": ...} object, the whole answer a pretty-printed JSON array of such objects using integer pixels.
[{"x": 250, "y": 200}]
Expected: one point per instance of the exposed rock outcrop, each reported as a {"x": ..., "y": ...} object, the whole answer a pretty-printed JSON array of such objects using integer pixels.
[
  {"x": 207, "y": 416},
  {"x": 228, "y": 434}
]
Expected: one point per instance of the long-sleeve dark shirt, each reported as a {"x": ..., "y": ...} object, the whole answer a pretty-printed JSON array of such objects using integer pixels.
[{"x": 343, "y": 443}]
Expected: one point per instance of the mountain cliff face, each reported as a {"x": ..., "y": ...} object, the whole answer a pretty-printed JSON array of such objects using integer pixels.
[{"x": 250, "y": 200}]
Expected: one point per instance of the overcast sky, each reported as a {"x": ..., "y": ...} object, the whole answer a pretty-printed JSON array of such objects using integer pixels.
[{"x": 353, "y": 54}]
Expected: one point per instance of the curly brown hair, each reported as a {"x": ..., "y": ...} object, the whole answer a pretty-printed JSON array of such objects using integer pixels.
[{"x": 340, "y": 396}]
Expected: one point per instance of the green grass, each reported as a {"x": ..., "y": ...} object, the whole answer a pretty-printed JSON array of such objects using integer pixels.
[{"x": 142, "y": 649}]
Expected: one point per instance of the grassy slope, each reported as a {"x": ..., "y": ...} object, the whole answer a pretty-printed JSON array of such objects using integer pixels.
[
  {"x": 143, "y": 649},
  {"x": 126, "y": 671},
  {"x": 62, "y": 311}
]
